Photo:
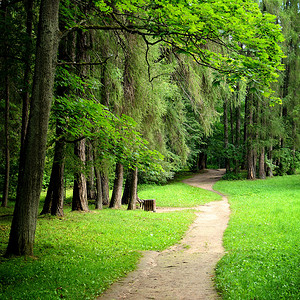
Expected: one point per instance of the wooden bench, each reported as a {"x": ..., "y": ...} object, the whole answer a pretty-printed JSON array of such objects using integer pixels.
[{"x": 148, "y": 204}]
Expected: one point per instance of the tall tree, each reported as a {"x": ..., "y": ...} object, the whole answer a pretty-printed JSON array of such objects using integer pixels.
[
  {"x": 83, "y": 45},
  {"x": 23, "y": 227}
]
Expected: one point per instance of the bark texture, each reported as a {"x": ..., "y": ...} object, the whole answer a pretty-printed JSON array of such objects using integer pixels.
[
  {"x": 262, "y": 172},
  {"x": 133, "y": 190},
  {"x": 91, "y": 193},
  {"x": 23, "y": 226},
  {"x": 105, "y": 188},
  {"x": 249, "y": 134},
  {"x": 226, "y": 133},
  {"x": 80, "y": 201},
  {"x": 99, "y": 196},
  {"x": 116, "y": 199}
]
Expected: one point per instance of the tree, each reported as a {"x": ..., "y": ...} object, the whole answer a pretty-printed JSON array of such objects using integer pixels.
[{"x": 23, "y": 227}]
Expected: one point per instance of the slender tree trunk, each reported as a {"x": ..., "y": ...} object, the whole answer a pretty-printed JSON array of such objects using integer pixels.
[
  {"x": 48, "y": 200},
  {"x": 256, "y": 120},
  {"x": 231, "y": 123},
  {"x": 226, "y": 134},
  {"x": 80, "y": 201},
  {"x": 23, "y": 226},
  {"x": 58, "y": 180},
  {"x": 105, "y": 188},
  {"x": 294, "y": 135},
  {"x": 133, "y": 189},
  {"x": 116, "y": 199},
  {"x": 238, "y": 131},
  {"x": 249, "y": 133},
  {"x": 262, "y": 172},
  {"x": 7, "y": 140},
  {"x": 270, "y": 169},
  {"x": 126, "y": 192},
  {"x": 99, "y": 196},
  {"x": 90, "y": 181},
  {"x": 55, "y": 194}
]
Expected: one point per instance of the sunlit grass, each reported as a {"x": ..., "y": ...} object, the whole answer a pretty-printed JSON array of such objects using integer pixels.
[
  {"x": 177, "y": 195},
  {"x": 262, "y": 240}
]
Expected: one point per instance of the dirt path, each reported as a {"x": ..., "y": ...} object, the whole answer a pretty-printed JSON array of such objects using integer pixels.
[{"x": 185, "y": 270}]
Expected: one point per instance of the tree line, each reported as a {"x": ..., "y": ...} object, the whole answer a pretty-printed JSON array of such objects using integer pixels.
[{"x": 98, "y": 94}]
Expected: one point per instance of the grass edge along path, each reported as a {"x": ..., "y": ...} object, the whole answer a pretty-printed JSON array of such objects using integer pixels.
[
  {"x": 262, "y": 240},
  {"x": 80, "y": 255}
]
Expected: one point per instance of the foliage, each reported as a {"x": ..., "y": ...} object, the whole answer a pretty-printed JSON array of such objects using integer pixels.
[
  {"x": 288, "y": 161},
  {"x": 234, "y": 176},
  {"x": 262, "y": 240},
  {"x": 191, "y": 26}
]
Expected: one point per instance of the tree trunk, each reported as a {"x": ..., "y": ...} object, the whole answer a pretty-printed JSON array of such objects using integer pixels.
[
  {"x": 231, "y": 123},
  {"x": 91, "y": 194},
  {"x": 294, "y": 135},
  {"x": 133, "y": 189},
  {"x": 48, "y": 200},
  {"x": 262, "y": 172},
  {"x": 249, "y": 134},
  {"x": 55, "y": 194},
  {"x": 23, "y": 226},
  {"x": 80, "y": 201},
  {"x": 116, "y": 199},
  {"x": 6, "y": 139},
  {"x": 238, "y": 132},
  {"x": 105, "y": 188},
  {"x": 125, "y": 197},
  {"x": 27, "y": 59},
  {"x": 201, "y": 164},
  {"x": 58, "y": 178},
  {"x": 269, "y": 168},
  {"x": 226, "y": 135},
  {"x": 99, "y": 196}
]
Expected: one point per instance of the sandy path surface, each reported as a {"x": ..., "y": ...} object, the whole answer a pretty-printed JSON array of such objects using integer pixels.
[{"x": 184, "y": 271}]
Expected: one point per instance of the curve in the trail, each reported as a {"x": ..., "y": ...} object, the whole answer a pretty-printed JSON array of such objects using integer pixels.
[{"x": 184, "y": 271}]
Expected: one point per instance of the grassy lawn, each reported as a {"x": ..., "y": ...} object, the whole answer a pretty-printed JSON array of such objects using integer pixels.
[
  {"x": 80, "y": 255},
  {"x": 262, "y": 240},
  {"x": 186, "y": 196}
]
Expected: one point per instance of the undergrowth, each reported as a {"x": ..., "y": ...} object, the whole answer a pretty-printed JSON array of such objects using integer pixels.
[{"x": 262, "y": 240}]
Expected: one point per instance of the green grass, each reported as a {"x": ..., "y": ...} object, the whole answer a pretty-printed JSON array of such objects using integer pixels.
[
  {"x": 80, "y": 255},
  {"x": 177, "y": 194},
  {"x": 262, "y": 240}
]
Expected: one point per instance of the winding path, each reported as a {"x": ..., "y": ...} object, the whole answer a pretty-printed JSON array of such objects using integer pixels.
[{"x": 184, "y": 271}]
